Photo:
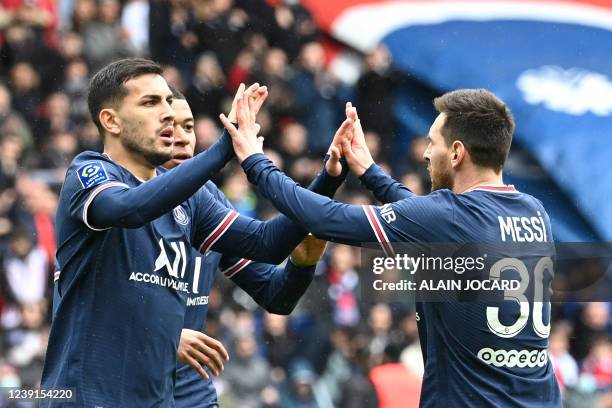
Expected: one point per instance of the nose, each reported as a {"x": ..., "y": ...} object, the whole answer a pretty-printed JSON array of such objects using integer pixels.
[
  {"x": 179, "y": 136},
  {"x": 427, "y": 153},
  {"x": 167, "y": 113}
]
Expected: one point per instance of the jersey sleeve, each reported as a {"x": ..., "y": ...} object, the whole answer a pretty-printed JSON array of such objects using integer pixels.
[
  {"x": 224, "y": 230},
  {"x": 115, "y": 205},
  {"x": 324, "y": 217},
  {"x": 384, "y": 187},
  {"x": 85, "y": 180},
  {"x": 103, "y": 202},
  {"x": 413, "y": 219},
  {"x": 275, "y": 288},
  {"x": 237, "y": 235},
  {"x": 410, "y": 219}
]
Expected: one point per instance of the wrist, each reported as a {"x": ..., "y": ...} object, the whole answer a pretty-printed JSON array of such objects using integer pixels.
[
  {"x": 302, "y": 263},
  {"x": 363, "y": 167}
]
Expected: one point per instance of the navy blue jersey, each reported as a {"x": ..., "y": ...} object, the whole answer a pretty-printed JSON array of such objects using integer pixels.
[
  {"x": 123, "y": 251},
  {"x": 477, "y": 354},
  {"x": 276, "y": 289}
]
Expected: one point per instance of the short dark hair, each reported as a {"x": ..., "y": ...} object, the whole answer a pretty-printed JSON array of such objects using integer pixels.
[
  {"x": 176, "y": 94},
  {"x": 481, "y": 121},
  {"x": 108, "y": 84}
]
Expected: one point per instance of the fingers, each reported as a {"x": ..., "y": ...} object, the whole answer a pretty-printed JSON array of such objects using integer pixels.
[
  {"x": 346, "y": 148},
  {"x": 231, "y": 129},
  {"x": 334, "y": 154},
  {"x": 348, "y": 106},
  {"x": 196, "y": 366},
  {"x": 260, "y": 98},
  {"x": 209, "y": 357},
  {"x": 217, "y": 345},
  {"x": 251, "y": 105},
  {"x": 251, "y": 90},
  {"x": 358, "y": 132}
]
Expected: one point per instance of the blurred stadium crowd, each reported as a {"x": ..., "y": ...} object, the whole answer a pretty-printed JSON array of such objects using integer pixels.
[{"x": 339, "y": 347}]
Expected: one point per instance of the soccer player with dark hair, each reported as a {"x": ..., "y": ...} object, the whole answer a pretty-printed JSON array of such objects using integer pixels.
[
  {"x": 276, "y": 289},
  {"x": 486, "y": 353},
  {"x": 125, "y": 226}
]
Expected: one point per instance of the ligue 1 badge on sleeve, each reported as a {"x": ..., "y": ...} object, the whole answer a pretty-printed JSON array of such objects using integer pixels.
[
  {"x": 91, "y": 174},
  {"x": 180, "y": 215}
]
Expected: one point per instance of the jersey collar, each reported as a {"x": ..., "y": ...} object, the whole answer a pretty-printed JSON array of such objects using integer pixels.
[{"x": 494, "y": 188}]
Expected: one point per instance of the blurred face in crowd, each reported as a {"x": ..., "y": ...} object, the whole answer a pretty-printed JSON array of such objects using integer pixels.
[
  {"x": 184, "y": 135},
  {"x": 24, "y": 77},
  {"x": 144, "y": 119},
  {"x": 109, "y": 11},
  {"x": 438, "y": 156},
  {"x": 312, "y": 57},
  {"x": 5, "y": 100},
  {"x": 206, "y": 132}
]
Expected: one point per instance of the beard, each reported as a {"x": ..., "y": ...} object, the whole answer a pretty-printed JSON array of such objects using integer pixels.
[
  {"x": 135, "y": 142},
  {"x": 441, "y": 177}
]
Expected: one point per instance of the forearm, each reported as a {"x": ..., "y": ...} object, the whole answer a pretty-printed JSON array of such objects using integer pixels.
[
  {"x": 384, "y": 187},
  {"x": 326, "y": 184},
  {"x": 324, "y": 217},
  {"x": 276, "y": 289},
  {"x": 134, "y": 207}
]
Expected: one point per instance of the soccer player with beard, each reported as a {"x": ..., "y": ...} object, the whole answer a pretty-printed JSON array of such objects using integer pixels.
[
  {"x": 124, "y": 231},
  {"x": 485, "y": 353},
  {"x": 276, "y": 289}
]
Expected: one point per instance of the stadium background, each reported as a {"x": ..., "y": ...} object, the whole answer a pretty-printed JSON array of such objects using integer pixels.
[{"x": 549, "y": 60}]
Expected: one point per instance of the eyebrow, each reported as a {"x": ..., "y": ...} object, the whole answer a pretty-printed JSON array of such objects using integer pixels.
[{"x": 156, "y": 96}]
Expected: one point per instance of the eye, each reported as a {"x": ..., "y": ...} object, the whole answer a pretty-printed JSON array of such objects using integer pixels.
[
  {"x": 189, "y": 128},
  {"x": 149, "y": 103}
]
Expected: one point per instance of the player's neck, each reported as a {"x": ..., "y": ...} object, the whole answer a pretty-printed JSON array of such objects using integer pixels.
[
  {"x": 468, "y": 180},
  {"x": 135, "y": 164}
]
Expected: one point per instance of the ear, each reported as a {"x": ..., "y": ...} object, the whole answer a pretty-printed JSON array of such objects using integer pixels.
[
  {"x": 110, "y": 121},
  {"x": 458, "y": 153}
]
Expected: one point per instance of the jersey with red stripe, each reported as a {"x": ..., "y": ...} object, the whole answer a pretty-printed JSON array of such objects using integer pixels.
[
  {"x": 485, "y": 353},
  {"x": 276, "y": 289},
  {"x": 121, "y": 290}
]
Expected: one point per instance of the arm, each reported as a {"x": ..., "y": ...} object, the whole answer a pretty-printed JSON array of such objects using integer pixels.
[
  {"x": 278, "y": 289},
  {"x": 121, "y": 206},
  {"x": 275, "y": 288},
  {"x": 233, "y": 234},
  {"x": 117, "y": 205},
  {"x": 384, "y": 187},
  {"x": 325, "y": 218}
]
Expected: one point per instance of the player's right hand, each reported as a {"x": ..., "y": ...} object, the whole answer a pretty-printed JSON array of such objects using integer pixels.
[
  {"x": 199, "y": 351},
  {"x": 345, "y": 131},
  {"x": 354, "y": 148},
  {"x": 244, "y": 138}
]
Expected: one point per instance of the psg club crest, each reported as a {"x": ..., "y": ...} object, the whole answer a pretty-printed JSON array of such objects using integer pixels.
[{"x": 180, "y": 215}]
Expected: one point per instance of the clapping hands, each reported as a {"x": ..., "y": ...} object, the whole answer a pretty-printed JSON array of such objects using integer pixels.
[{"x": 349, "y": 142}]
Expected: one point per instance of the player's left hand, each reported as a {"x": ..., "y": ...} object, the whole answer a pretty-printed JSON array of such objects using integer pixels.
[
  {"x": 308, "y": 252},
  {"x": 256, "y": 93},
  {"x": 199, "y": 351}
]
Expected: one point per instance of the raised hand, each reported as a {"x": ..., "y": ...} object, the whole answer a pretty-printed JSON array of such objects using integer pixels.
[
  {"x": 256, "y": 93},
  {"x": 308, "y": 252},
  {"x": 345, "y": 131},
  {"x": 354, "y": 148},
  {"x": 199, "y": 351},
  {"x": 245, "y": 139}
]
